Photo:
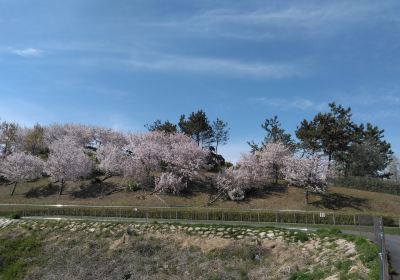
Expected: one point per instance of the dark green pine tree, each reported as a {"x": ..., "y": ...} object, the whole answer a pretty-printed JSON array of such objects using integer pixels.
[
  {"x": 198, "y": 127},
  {"x": 275, "y": 134},
  {"x": 371, "y": 154},
  {"x": 166, "y": 126},
  {"x": 331, "y": 133},
  {"x": 220, "y": 134}
]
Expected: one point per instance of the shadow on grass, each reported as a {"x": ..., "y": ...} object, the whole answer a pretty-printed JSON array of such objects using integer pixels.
[
  {"x": 48, "y": 190},
  {"x": 269, "y": 190},
  {"x": 335, "y": 201},
  {"x": 257, "y": 193},
  {"x": 95, "y": 190}
]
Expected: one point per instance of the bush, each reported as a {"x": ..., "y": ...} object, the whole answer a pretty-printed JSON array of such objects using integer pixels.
[
  {"x": 130, "y": 185},
  {"x": 15, "y": 216},
  {"x": 368, "y": 184}
]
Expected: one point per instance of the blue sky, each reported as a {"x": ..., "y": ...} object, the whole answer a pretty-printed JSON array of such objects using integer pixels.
[{"x": 127, "y": 63}]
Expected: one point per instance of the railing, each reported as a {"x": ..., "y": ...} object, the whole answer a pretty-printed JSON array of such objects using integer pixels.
[
  {"x": 198, "y": 214},
  {"x": 379, "y": 234}
]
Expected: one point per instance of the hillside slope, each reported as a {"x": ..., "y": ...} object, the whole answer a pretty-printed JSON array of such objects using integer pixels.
[{"x": 273, "y": 197}]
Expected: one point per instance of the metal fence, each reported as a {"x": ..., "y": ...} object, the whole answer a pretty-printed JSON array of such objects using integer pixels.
[
  {"x": 198, "y": 214},
  {"x": 379, "y": 235}
]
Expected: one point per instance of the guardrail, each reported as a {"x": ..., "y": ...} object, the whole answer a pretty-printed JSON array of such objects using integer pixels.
[{"x": 198, "y": 213}]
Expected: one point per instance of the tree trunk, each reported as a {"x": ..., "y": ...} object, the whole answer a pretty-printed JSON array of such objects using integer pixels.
[
  {"x": 13, "y": 188},
  {"x": 306, "y": 196},
  {"x": 108, "y": 176},
  {"x": 61, "y": 188}
]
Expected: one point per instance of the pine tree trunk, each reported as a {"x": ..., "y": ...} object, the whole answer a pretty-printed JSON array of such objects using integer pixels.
[{"x": 13, "y": 188}]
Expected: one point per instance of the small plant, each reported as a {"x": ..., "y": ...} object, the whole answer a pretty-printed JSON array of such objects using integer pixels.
[
  {"x": 343, "y": 266},
  {"x": 15, "y": 216},
  {"x": 331, "y": 232},
  {"x": 298, "y": 236},
  {"x": 313, "y": 275},
  {"x": 131, "y": 185}
]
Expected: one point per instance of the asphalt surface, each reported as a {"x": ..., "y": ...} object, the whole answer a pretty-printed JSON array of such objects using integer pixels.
[{"x": 393, "y": 245}]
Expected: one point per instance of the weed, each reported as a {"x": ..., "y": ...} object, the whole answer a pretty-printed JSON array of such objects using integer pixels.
[{"x": 16, "y": 255}]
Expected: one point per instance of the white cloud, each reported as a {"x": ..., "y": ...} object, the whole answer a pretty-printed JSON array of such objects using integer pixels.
[
  {"x": 285, "y": 104},
  {"x": 219, "y": 66},
  {"x": 271, "y": 22},
  {"x": 28, "y": 52}
]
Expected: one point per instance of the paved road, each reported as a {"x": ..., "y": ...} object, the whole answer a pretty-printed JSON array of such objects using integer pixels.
[{"x": 392, "y": 244}]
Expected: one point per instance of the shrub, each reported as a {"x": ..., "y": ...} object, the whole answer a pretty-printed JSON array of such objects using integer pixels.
[
  {"x": 368, "y": 184},
  {"x": 15, "y": 216}
]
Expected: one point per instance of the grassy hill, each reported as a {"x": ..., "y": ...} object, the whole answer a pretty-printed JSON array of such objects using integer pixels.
[{"x": 272, "y": 197}]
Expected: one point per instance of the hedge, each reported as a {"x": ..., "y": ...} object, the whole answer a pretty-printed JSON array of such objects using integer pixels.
[{"x": 369, "y": 184}]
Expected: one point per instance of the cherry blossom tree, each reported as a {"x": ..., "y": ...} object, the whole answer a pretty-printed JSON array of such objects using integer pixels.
[
  {"x": 156, "y": 152},
  {"x": 112, "y": 159},
  {"x": 249, "y": 174},
  {"x": 82, "y": 135},
  {"x": 103, "y": 136},
  {"x": 145, "y": 154},
  {"x": 309, "y": 173},
  {"x": 20, "y": 167},
  {"x": 170, "y": 182},
  {"x": 229, "y": 183},
  {"x": 183, "y": 156},
  {"x": 273, "y": 158},
  {"x": 67, "y": 161}
]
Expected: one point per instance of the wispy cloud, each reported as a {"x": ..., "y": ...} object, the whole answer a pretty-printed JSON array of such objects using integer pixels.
[
  {"x": 28, "y": 52},
  {"x": 286, "y": 104},
  {"x": 227, "y": 67},
  {"x": 309, "y": 19}
]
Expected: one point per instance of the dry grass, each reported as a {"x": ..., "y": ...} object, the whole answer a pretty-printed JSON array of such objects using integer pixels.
[
  {"x": 274, "y": 197},
  {"x": 98, "y": 250}
]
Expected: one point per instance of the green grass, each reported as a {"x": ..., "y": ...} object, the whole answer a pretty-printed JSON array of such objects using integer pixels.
[
  {"x": 316, "y": 274},
  {"x": 367, "y": 250},
  {"x": 369, "y": 256},
  {"x": 297, "y": 236},
  {"x": 17, "y": 254}
]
